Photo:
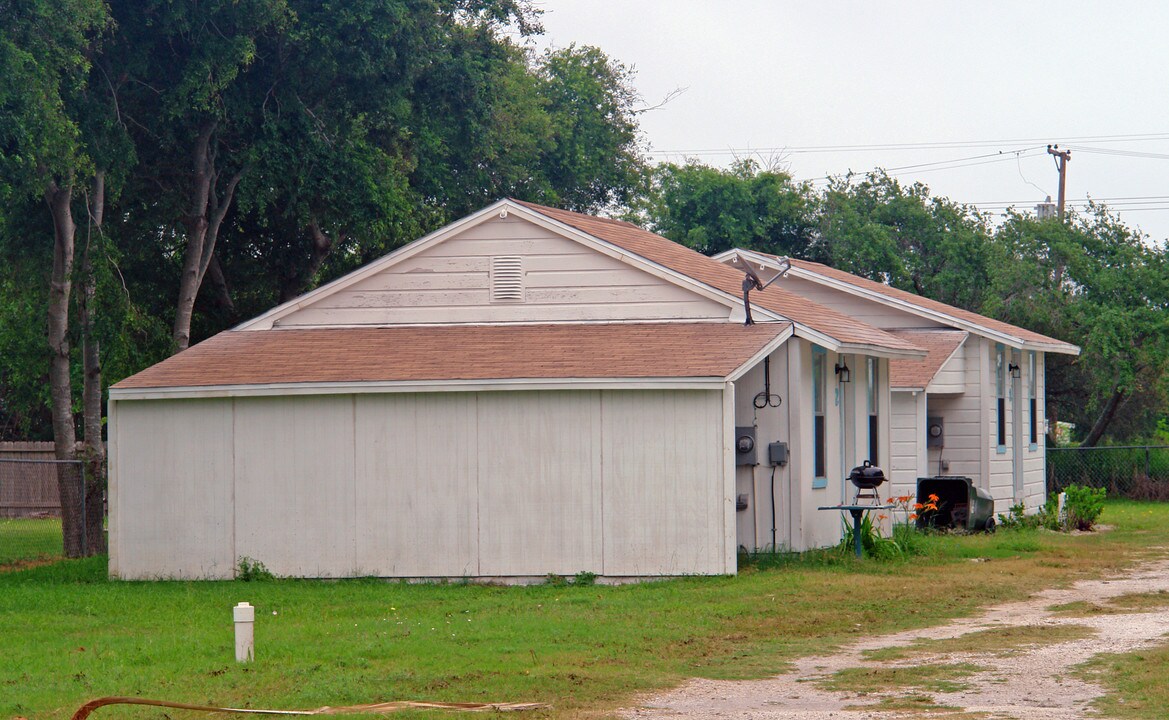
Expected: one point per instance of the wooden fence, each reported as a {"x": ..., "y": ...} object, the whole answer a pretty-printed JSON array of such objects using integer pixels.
[{"x": 28, "y": 480}]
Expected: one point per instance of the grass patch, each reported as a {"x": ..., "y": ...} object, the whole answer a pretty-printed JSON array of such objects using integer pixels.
[
  {"x": 1135, "y": 683},
  {"x": 1119, "y": 605},
  {"x": 938, "y": 677},
  {"x": 993, "y": 641},
  {"x": 912, "y": 702},
  {"x": 71, "y": 635},
  {"x": 29, "y": 541}
]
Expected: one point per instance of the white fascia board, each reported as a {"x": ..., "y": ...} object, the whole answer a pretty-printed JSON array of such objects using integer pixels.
[
  {"x": 825, "y": 341},
  {"x": 909, "y": 307},
  {"x": 879, "y": 351},
  {"x": 1062, "y": 349},
  {"x": 914, "y": 390},
  {"x": 265, "y": 321},
  {"x": 430, "y": 386},
  {"x": 764, "y": 352}
]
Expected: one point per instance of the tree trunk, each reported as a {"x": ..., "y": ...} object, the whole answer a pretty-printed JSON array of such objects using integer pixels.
[
  {"x": 218, "y": 286},
  {"x": 1105, "y": 418},
  {"x": 69, "y": 480},
  {"x": 93, "y": 449},
  {"x": 206, "y": 215},
  {"x": 292, "y": 287}
]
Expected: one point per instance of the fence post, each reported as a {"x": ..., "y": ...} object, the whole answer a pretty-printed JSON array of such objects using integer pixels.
[
  {"x": 84, "y": 514},
  {"x": 1148, "y": 466}
]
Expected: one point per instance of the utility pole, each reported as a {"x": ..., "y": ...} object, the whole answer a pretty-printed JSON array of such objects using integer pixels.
[{"x": 1061, "y": 164}]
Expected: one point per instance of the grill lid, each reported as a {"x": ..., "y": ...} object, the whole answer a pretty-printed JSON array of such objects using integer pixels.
[{"x": 867, "y": 475}]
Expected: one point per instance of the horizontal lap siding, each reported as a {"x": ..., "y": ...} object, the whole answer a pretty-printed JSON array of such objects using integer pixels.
[
  {"x": 451, "y": 283},
  {"x": 867, "y": 311},
  {"x": 906, "y": 439}
]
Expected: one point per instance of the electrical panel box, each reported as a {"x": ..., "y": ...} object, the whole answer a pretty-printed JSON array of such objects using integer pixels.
[
  {"x": 745, "y": 445},
  {"x": 934, "y": 432},
  {"x": 777, "y": 453}
]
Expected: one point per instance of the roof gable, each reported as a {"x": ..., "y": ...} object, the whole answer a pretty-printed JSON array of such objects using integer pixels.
[
  {"x": 556, "y": 275},
  {"x": 917, "y": 374},
  {"x": 914, "y": 304},
  {"x": 814, "y": 322}
]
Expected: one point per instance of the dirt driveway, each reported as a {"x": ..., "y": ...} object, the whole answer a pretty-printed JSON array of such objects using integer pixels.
[{"x": 1031, "y": 683}]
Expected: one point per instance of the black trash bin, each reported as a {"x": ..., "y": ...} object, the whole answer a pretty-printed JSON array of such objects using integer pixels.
[{"x": 960, "y": 505}]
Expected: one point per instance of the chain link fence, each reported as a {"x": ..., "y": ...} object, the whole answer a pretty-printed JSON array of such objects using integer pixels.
[
  {"x": 30, "y": 508},
  {"x": 1138, "y": 472}
]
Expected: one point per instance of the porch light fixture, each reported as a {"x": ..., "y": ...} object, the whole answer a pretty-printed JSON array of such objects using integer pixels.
[
  {"x": 1014, "y": 370},
  {"x": 843, "y": 374}
]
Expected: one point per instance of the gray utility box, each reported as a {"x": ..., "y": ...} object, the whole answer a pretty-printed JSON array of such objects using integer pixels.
[{"x": 960, "y": 505}]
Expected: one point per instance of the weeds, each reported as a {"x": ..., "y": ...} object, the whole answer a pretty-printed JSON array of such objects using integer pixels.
[{"x": 252, "y": 570}]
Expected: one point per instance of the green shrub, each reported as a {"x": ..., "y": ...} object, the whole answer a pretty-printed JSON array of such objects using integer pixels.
[
  {"x": 249, "y": 569},
  {"x": 584, "y": 577},
  {"x": 1083, "y": 506}
]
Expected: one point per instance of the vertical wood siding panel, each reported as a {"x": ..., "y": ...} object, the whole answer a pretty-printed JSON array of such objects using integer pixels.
[
  {"x": 294, "y": 494},
  {"x": 174, "y": 489},
  {"x": 415, "y": 485},
  {"x": 539, "y": 483},
  {"x": 663, "y": 482}
]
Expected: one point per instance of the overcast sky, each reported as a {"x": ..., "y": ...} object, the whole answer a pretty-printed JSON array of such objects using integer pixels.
[{"x": 969, "y": 79}]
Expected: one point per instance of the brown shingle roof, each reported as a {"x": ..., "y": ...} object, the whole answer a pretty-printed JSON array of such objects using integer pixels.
[
  {"x": 708, "y": 271},
  {"x": 486, "y": 352},
  {"x": 934, "y": 305},
  {"x": 918, "y": 374}
]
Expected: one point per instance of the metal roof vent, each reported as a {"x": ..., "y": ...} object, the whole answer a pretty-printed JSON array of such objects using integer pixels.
[{"x": 507, "y": 279}]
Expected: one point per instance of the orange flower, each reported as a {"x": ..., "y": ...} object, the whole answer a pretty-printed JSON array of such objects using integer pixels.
[
  {"x": 912, "y": 516},
  {"x": 934, "y": 498}
]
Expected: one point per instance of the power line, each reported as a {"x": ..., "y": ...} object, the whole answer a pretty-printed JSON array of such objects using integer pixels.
[{"x": 942, "y": 145}]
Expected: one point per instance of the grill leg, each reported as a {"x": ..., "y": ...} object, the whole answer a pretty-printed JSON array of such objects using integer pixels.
[{"x": 856, "y": 530}]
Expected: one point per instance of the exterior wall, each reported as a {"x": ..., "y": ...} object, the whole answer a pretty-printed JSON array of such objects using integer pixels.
[
  {"x": 965, "y": 432},
  {"x": 451, "y": 283},
  {"x": 867, "y": 311},
  {"x": 772, "y": 424},
  {"x": 1000, "y": 459},
  {"x": 908, "y": 447},
  {"x": 1035, "y": 456},
  {"x": 488, "y": 484},
  {"x": 951, "y": 378}
]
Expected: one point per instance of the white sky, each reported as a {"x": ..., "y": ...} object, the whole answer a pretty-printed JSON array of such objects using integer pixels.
[{"x": 774, "y": 79}]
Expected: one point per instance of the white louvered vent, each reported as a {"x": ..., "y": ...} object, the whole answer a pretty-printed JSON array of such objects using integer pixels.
[{"x": 507, "y": 279}]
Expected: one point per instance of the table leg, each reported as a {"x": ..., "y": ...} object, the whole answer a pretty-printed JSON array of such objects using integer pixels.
[{"x": 856, "y": 530}]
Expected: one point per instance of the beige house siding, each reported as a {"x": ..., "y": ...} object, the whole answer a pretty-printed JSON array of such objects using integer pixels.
[
  {"x": 772, "y": 424},
  {"x": 907, "y": 442},
  {"x": 451, "y": 282},
  {"x": 965, "y": 434},
  {"x": 858, "y": 308},
  {"x": 505, "y": 484},
  {"x": 951, "y": 378}
]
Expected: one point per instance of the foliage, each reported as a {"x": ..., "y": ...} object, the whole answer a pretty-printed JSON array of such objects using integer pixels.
[
  {"x": 713, "y": 210},
  {"x": 878, "y": 228},
  {"x": 873, "y": 543},
  {"x": 1083, "y": 506},
  {"x": 250, "y": 570}
]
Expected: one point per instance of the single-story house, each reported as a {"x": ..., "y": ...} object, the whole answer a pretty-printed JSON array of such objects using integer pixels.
[
  {"x": 974, "y": 406},
  {"x": 525, "y": 391}
]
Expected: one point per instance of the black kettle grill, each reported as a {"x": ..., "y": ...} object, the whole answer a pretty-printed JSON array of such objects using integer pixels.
[{"x": 867, "y": 478}]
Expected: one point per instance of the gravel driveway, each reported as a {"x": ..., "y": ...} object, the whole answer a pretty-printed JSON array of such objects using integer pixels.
[{"x": 1029, "y": 683}]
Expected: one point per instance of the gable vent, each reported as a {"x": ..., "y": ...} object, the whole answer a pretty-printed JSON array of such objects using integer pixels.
[{"x": 507, "y": 279}]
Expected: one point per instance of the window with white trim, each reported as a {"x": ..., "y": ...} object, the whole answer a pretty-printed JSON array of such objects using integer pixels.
[
  {"x": 872, "y": 368},
  {"x": 819, "y": 401},
  {"x": 1033, "y": 397},
  {"x": 1000, "y": 389}
]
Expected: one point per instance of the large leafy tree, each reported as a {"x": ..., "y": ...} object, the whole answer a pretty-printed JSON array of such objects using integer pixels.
[
  {"x": 876, "y": 227},
  {"x": 54, "y": 144},
  {"x": 712, "y": 210},
  {"x": 1095, "y": 282}
]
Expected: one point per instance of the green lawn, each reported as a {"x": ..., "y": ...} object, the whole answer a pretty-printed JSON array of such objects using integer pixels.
[
  {"x": 70, "y": 635},
  {"x": 29, "y": 540}
]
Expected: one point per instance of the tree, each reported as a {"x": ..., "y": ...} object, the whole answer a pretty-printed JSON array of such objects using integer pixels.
[
  {"x": 877, "y": 228},
  {"x": 48, "y": 147},
  {"x": 712, "y": 210},
  {"x": 1093, "y": 281}
]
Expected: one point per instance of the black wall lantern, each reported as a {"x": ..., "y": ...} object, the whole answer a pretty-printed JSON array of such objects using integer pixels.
[
  {"x": 1014, "y": 370},
  {"x": 843, "y": 373}
]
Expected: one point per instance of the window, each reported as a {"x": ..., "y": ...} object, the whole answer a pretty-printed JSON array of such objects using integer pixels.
[
  {"x": 819, "y": 400},
  {"x": 871, "y": 369},
  {"x": 1033, "y": 397},
  {"x": 1000, "y": 377}
]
